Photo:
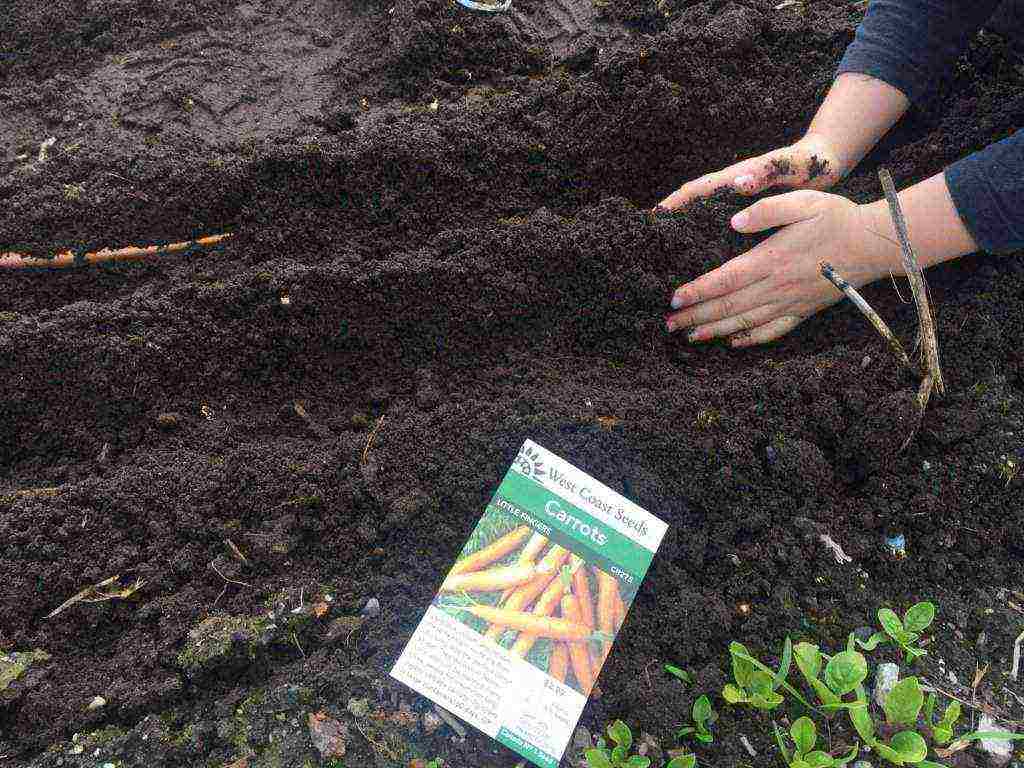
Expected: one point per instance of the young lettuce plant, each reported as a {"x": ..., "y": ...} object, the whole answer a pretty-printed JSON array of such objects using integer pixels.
[
  {"x": 902, "y": 707},
  {"x": 843, "y": 673},
  {"x": 805, "y": 739},
  {"x": 903, "y": 633},
  {"x": 942, "y": 731},
  {"x": 703, "y": 717},
  {"x": 757, "y": 685},
  {"x": 618, "y": 756}
]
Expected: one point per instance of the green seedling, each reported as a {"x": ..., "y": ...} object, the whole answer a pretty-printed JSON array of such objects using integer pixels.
[
  {"x": 703, "y": 717},
  {"x": 683, "y": 675},
  {"x": 842, "y": 674},
  {"x": 942, "y": 731},
  {"x": 903, "y": 633},
  {"x": 805, "y": 739},
  {"x": 618, "y": 756},
  {"x": 757, "y": 685},
  {"x": 683, "y": 761}
]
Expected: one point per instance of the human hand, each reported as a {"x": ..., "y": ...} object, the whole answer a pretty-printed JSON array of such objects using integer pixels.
[
  {"x": 810, "y": 163},
  {"x": 767, "y": 291}
]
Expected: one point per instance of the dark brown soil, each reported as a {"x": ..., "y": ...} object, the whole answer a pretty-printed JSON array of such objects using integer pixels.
[{"x": 455, "y": 206}]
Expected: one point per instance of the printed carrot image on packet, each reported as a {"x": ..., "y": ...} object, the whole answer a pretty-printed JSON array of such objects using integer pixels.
[{"x": 522, "y": 623}]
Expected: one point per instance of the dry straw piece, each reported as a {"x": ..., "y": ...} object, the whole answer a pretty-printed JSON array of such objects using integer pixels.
[{"x": 69, "y": 259}]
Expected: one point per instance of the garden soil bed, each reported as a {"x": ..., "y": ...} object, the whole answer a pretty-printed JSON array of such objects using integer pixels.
[{"x": 442, "y": 247}]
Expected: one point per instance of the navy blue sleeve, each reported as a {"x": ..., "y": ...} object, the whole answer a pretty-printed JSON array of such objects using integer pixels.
[
  {"x": 988, "y": 191},
  {"x": 909, "y": 44}
]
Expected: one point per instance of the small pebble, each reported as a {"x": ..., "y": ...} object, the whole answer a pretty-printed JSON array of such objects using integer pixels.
[
  {"x": 865, "y": 362},
  {"x": 886, "y": 676},
  {"x": 372, "y": 607},
  {"x": 581, "y": 739},
  {"x": 982, "y": 640},
  {"x": 98, "y": 702},
  {"x": 998, "y": 753},
  {"x": 168, "y": 420},
  {"x": 431, "y": 721}
]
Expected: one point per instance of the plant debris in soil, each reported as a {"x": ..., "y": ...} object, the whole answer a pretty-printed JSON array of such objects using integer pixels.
[{"x": 442, "y": 246}]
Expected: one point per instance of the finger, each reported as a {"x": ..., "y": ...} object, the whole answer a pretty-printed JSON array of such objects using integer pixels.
[
  {"x": 770, "y": 331},
  {"x": 745, "y": 321},
  {"x": 732, "y": 276},
  {"x": 693, "y": 190},
  {"x": 731, "y": 304},
  {"x": 777, "y": 211}
]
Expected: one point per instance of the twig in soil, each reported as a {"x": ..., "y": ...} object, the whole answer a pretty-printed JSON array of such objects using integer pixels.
[
  {"x": 1015, "y": 669},
  {"x": 229, "y": 581},
  {"x": 915, "y": 275},
  {"x": 369, "y": 440},
  {"x": 93, "y": 594},
  {"x": 67, "y": 259},
  {"x": 236, "y": 551},
  {"x": 830, "y": 274},
  {"x": 973, "y": 705},
  {"x": 837, "y": 551}
]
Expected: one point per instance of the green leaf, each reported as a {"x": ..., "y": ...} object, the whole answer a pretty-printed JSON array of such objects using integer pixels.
[
  {"x": 888, "y": 753},
  {"x": 636, "y": 761},
  {"x": 849, "y": 757},
  {"x": 930, "y": 764},
  {"x": 784, "y": 664},
  {"x": 619, "y": 754},
  {"x": 861, "y": 718},
  {"x": 904, "y": 702},
  {"x": 919, "y": 617},
  {"x": 952, "y": 714},
  {"x": 742, "y": 666},
  {"x": 702, "y": 711},
  {"x": 808, "y": 660},
  {"x": 910, "y": 745},
  {"x": 781, "y": 742},
  {"x": 598, "y": 758},
  {"x": 890, "y": 623},
  {"x": 804, "y": 735},
  {"x": 819, "y": 759},
  {"x": 786, "y": 686},
  {"x": 683, "y": 675},
  {"x": 994, "y": 735},
  {"x": 828, "y": 699},
  {"x": 845, "y": 671},
  {"x": 685, "y": 731},
  {"x": 734, "y": 695},
  {"x": 705, "y": 737},
  {"x": 683, "y": 761},
  {"x": 929, "y": 708},
  {"x": 766, "y": 701},
  {"x": 942, "y": 734},
  {"x": 878, "y": 638},
  {"x": 619, "y": 733}
]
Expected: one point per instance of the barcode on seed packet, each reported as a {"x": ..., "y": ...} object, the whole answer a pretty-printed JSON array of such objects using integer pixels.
[{"x": 523, "y": 622}]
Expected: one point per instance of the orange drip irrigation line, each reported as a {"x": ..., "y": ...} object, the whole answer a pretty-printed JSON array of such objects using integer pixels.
[{"x": 131, "y": 253}]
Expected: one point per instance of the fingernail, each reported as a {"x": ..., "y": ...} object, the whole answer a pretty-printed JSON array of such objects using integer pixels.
[
  {"x": 744, "y": 181},
  {"x": 740, "y": 220},
  {"x": 677, "y": 301}
]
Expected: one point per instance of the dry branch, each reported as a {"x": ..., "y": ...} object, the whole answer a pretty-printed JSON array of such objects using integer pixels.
[
  {"x": 68, "y": 259},
  {"x": 915, "y": 276},
  {"x": 829, "y": 273}
]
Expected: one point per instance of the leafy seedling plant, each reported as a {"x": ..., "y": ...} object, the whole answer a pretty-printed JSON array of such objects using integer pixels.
[
  {"x": 903, "y": 634},
  {"x": 703, "y": 717},
  {"x": 619, "y": 757},
  {"x": 834, "y": 679},
  {"x": 805, "y": 740}
]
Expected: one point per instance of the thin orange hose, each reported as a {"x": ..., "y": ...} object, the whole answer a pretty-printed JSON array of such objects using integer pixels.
[{"x": 131, "y": 253}]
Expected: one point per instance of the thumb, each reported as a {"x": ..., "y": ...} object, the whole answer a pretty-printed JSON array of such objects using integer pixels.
[{"x": 777, "y": 211}]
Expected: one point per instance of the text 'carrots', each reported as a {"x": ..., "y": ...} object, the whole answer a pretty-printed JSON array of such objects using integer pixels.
[
  {"x": 542, "y": 626},
  {"x": 492, "y": 552}
]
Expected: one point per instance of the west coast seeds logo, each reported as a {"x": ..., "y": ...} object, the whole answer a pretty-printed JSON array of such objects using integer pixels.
[{"x": 530, "y": 463}]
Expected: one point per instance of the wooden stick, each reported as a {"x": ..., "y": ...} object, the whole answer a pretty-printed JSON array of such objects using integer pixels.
[
  {"x": 829, "y": 273},
  {"x": 915, "y": 275},
  {"x": 132, "y": 253}
]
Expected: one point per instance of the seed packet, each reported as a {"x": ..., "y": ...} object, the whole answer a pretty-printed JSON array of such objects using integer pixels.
[{"x": 524, "y": 620}]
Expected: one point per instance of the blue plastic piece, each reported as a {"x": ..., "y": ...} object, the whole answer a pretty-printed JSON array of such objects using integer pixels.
[{"x": 897, "y": 543}]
